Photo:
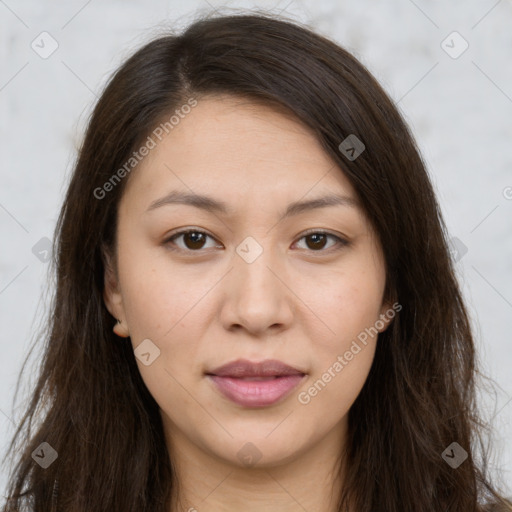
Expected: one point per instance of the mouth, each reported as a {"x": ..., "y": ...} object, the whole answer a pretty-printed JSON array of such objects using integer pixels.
[{"x": 253, "y": 384}]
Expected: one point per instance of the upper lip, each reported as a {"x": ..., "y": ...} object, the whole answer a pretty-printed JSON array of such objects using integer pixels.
[{"x": 245, "y": 368}]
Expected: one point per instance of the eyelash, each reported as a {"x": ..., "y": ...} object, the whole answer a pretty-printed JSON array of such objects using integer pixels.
[{"x": 341, "y": 241}]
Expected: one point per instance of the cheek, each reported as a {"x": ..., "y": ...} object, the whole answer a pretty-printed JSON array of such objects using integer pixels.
[
  {"x": 349, "y": 306},
  {"x": 168, "y": 306},
  {"x": 158, "y": 297},
  {"x": 330, "y": 393},
  {"x": 162, "y": 309},
  {"x": 343, "y": 354}
]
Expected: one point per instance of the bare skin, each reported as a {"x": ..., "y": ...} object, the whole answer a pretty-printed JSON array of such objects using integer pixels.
[{"x": 302, "y": 301}]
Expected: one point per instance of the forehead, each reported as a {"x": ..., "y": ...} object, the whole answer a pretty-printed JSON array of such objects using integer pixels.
[{"x": 229, "y": 146}]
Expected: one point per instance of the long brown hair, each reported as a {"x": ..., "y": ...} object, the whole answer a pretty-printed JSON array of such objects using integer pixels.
[{"x": 92, "y": 407}]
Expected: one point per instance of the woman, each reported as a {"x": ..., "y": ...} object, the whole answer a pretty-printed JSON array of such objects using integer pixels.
[{"x": 255, "y": 304}]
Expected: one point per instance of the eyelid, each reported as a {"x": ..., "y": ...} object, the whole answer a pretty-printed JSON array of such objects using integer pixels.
[{"x": 341, "y": 241}]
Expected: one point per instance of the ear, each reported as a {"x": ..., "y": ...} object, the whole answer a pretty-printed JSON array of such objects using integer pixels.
[
  {"x": 387, "y": 313},
  {"x": 112, "y": 293}
]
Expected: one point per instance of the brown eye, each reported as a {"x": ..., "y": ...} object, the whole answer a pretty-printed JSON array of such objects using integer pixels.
[
  {"x": 193, "y": 240},
  {"x": 317, "y": 240}
]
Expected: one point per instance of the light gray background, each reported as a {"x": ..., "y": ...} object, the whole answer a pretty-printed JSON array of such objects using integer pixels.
[{"x": 458, "y": 108}]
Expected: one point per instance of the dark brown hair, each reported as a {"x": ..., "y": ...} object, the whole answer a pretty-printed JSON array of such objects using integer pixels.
[{"x": 92, "y": 406}]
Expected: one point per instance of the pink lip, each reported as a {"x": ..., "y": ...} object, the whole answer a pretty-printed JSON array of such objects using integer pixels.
[
  {"x": 279, "y": 380},
  {"x": 255, "y": 393}
]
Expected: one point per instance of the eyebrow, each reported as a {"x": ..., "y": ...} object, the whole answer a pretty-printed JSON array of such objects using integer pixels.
[{"x": 215, "y": 206}]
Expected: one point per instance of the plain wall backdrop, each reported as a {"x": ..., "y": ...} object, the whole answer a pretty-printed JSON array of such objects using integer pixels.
[{"x": 454, "y": 89}]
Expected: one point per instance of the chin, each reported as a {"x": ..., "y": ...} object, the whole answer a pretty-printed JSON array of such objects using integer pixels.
[{"x": 260, "y": 450}]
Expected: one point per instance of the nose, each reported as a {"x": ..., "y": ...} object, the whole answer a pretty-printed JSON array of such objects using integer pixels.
[{"x": 258, "y": 296}]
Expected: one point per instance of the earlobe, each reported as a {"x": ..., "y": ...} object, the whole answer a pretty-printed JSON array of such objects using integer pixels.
[
  {"x": 387, "y": 313},
  {"x": 121, "y": 330}
]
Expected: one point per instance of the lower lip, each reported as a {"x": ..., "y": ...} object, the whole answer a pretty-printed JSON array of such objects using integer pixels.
[{"x": 256, "y": 393}]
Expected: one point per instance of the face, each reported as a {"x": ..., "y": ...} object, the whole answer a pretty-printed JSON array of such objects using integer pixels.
[{"x": 247, "y": 283}]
